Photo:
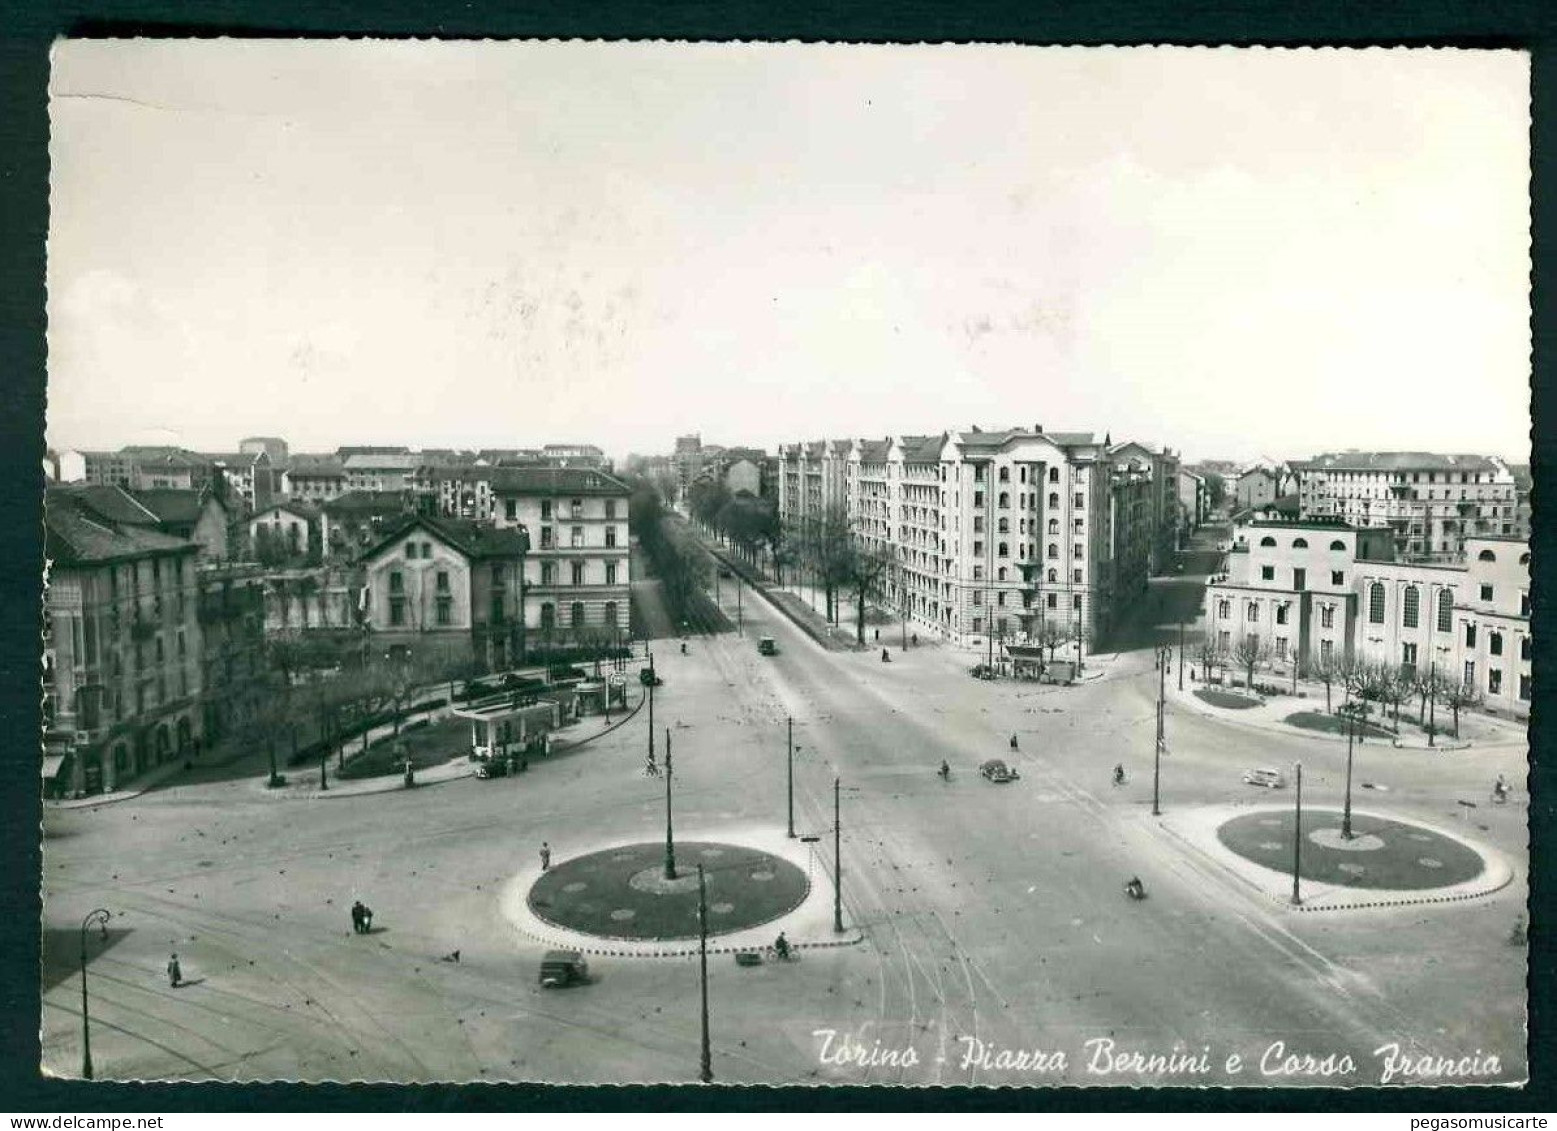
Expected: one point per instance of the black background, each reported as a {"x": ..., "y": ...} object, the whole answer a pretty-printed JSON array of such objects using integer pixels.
[{"x": 25, "y": 33}]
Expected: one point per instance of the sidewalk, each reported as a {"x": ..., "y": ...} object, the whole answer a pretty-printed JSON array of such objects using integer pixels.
[
  {"x": 1270, "y": 714},
  {"x": 303, "y": 779}
]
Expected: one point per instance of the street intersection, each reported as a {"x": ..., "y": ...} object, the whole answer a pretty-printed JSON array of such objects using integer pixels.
[{"x": 997, "y": 948}]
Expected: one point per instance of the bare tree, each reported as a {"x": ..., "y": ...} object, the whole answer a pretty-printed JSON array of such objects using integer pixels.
[
  {"x": 834, "y": 551},
  {"x": 1458, "y": 697},
  {"x": 867, "y": 570},
  {"x": 1249, "y": 651},
  {"x": 1327, "y": 670},
  {"x": 1208, "y": 652},
  {"x": 1051, "y": 635}
]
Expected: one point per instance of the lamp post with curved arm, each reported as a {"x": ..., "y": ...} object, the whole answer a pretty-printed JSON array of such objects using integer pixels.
[{"x": 100, "y": 917}]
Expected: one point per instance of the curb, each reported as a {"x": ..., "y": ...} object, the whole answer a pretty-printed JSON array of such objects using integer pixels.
[
  {"x": 685, "y": 952},
  {"x": 328, "y": 796},
  {"x": 1229, "y": 715}
]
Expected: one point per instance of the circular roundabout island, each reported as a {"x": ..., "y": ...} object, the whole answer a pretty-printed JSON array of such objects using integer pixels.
[
  {"x": 623, "y": 893},
  {"x": 1381, "y": 854}
]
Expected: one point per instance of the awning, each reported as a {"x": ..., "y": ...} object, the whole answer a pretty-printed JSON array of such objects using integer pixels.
[{"x": 51, "y": 765}]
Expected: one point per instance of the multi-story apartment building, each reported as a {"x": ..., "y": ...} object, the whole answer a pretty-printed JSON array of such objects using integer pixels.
[
  {"x": 454, "y": 490},
  {"x": 380, "y": 472},
  {"x": 437, "y": 585},
  {"x": 232, "y": 651},
  {"x": 1316, "y": 590},
  {"x": 313, "y": 478},
  {"x": 1194, "y": 502},
  {"x": 1161, "y": 467},
  {"x": 252, "y": 480},
  {"x": 352, "y": 521},
  {"x": 991, "y": 532},
  {"x": 577, "y": 570},
  {"x": 1431, "y": 502},
  {"x": 122, "y": 647}
]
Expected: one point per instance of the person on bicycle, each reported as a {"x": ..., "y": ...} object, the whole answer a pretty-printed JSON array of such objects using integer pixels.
[
  {"x": 1500, "y": 788},
  {"x": 781, "y": 947},
  {"x": 1013, "y": 742},
  {"x": 945, "y": 770},
  {"x": 1119, "y": 775}
]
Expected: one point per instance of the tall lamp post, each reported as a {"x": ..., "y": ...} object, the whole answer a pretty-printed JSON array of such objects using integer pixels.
[
  {"x": 837, "y": 860},
  {"x": 670, "y": 839},
  {"x": 1352, "y": 711},
  {"x": 1181, "y": 655},
  {"x": 651, "y": 704},
  {"x": 1163, "y": 653},
  {"x": 98, "y": 917},
  {"x": 790, "y": 761},
  {"x": 1297, "y": 834},
  {"x": 706, "y": 1072}
]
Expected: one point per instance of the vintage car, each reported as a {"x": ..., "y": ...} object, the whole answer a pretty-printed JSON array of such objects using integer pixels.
[
  {"x": 996, "y": 770},
  {"x": 563, "y": 968},
  {"x": 495, "y": 767},
  {"x": 1267, "y": 779},
  {"x": 647, "y": 676},
  {"x": 766, "y": 646}
]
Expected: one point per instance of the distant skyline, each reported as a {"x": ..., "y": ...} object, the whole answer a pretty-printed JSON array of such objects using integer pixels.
[{"x": 1234, "y": 253}]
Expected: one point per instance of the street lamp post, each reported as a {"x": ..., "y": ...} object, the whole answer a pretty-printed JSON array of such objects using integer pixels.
[
  {"x": 100, "y": 917},
  {"x": 1346, "y": 812},
  {"x": 1162, "y": 674},
  {"x": 1181, "y": 655},
  {"x": 1432, "y": 700},
  {"x": 790, "y": 762},
  {"x": 1297, "y": 835},
  {"x": 706, "y": 1074},
  {"x": 740, "y": 618},
  {"x": 670, "y": 839},
  {"x": 651, "y": 704},
  {"x": 837, "y": 860}
]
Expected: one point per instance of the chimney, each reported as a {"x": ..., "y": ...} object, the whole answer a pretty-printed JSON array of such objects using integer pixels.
[{"x": 1038, "y": 428}]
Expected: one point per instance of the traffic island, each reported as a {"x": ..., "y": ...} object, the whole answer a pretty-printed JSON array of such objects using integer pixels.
[
  {"x": 623, "y": 893},
  {"x": 616, "y": 899},
  {"x": 1386, "y": 862}
]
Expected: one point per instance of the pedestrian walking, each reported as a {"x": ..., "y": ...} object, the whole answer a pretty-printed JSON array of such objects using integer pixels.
[
  {"x": 357, "y": 911},
  {"x": 175, "y": 974},
  {"x": 545, "y": 856},
  {"x": 367, "y": 919}
]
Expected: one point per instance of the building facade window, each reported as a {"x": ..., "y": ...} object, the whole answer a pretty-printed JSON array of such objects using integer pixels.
[
  {"x": 548, "y": 615},
  {"x": 1470, "y": 636},
  {"x": 578, "y": 573},
  {"x": 1524, "y": 687},
  {"x": 1267, "y": 573},
  {"x": 1445, "y": 611},
  {"x": 1411, "y": 607},
  {"x": 1495, "y": 643},
  {"x": 1327, "y": 616},
  {"x": 1253, "y": 612},
  {"x": 1224, "y": 609},
  {"x": 1486, "y": 592},
  {"x": 610, "y": 571},
  {"x": 1326, "y": 651},
  {"x": 1054, "y": 601},
  {"x": 1494, "y": 681},
  {"x": 1281, "y": 614},
  {"x": 610, "y": 614},
  {"x": 1376, "y": 603},
  {"x": 576, "y": 536}
]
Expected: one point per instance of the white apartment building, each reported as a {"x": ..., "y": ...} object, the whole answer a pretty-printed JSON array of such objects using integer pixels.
[
  {"x": 1432, "y": 503},
  {"x": 994, "y": 533}
]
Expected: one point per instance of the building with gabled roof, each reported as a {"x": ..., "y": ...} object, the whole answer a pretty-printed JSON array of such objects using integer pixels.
[
  {"x": 313, "y": 478},
  {"x": 445, "y": 587},
  {"x": 200, "y": 516}
]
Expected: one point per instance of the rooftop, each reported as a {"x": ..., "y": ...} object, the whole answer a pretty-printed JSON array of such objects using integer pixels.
[
  {"x": 1396, "y": 461},
  {"x": 474, "y": 540},
  {"x": 555, "y": 481},
  {"x": 172, "y": 504},
  {"x": 76, "y": 534}
]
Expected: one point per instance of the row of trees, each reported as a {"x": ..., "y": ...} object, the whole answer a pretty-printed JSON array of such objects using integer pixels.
[
  {"x": 1373, "y": 681},
  {"x": 308, "y": 701},
  {"x": 748, "y": 522},
  {"x": 680, "y": 564}
]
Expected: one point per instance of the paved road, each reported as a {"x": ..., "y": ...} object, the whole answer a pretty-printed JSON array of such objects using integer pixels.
[{"x": 992, "y": 912}]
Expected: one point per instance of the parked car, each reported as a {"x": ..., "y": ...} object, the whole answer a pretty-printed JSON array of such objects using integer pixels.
[
  {"x": 492, "y": 768},
  {"x": 996, "y": 770},
  {"x": 1267, "y": 779},
  {"x": 646, "y": 677},
  {"x": 766, "y": 646},
  {"x": 724, "y": 571},
  {"x": 563, "y": 968},
  {"x": 982, "y": 671}
]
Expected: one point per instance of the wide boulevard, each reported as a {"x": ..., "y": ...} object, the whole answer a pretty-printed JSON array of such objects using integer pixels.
[{"x": 998, "y": 945}]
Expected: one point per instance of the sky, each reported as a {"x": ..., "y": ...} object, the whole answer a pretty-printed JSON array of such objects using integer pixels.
[{"x": 1237, "y": 253}]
